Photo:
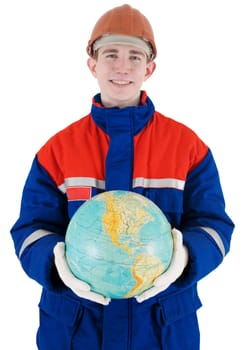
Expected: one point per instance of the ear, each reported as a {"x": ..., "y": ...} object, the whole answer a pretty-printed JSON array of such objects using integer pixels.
[
  {"x": 150, "y": 68},
  {"x": 92, "y": 63}
]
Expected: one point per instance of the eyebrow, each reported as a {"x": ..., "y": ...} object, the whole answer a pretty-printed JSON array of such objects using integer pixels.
[{"x": 134, "y": 52}]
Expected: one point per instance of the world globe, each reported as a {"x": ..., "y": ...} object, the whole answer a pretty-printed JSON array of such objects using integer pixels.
[{"x": 118, "y": 242}]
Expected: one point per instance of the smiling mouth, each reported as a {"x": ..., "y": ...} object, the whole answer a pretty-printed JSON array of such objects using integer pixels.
[{"x": 121, "y": 82}]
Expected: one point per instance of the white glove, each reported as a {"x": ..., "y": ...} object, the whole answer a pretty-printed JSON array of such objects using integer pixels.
[
  {"x": 178, "y": 263},
  {"x": 80, "y": 288}
]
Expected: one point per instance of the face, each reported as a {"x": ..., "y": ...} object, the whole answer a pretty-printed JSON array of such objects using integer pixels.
[{"x": 120, "y": 71}]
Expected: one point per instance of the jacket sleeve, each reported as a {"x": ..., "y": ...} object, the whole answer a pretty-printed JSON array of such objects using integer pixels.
[
  {"x": 206, "y": 227},
  {"x": 41, "y": 224}
]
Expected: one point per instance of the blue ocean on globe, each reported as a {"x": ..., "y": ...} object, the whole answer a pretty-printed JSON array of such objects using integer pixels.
[{"x": 118, "y": 242}]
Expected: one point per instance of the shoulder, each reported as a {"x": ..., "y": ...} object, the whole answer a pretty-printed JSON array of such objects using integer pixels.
[
  {"x": 175, "y": 127},
  {"x": 172, "y": 129},
  {"x": 62, "y": 143},
  {"x": 180, "y": 138},
  {"x": 74, "y": 128},
  {"x": 68, "y": 134}
]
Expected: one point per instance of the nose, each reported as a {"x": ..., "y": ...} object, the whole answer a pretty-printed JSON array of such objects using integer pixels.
[{"x": 122, "y": 65}]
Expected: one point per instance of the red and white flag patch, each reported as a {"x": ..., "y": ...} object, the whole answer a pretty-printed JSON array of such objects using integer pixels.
[{"x": 78, "y": 193}]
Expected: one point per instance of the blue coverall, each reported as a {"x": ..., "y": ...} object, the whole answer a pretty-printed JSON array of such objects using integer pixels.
[{"x": 135, "y": 149}]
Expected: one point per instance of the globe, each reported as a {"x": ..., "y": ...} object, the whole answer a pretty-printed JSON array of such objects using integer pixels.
[{"x": 118, "y": 242}]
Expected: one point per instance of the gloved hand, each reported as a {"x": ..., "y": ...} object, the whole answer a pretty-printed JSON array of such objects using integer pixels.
[
  {"x": 80, "y": 288},
  {"x": 178, "y": 263}
]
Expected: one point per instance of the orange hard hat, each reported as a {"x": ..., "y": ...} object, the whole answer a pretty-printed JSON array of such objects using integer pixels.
[{"x": 124, "y": 20}]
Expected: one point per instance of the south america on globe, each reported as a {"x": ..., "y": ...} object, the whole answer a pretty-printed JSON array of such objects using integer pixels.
[{"x": 118, "y": 242}]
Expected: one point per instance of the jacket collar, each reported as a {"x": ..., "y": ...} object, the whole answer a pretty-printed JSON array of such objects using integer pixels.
[{"x": 132, "y": 118}]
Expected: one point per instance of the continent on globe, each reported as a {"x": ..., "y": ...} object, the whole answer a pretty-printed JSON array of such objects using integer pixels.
[{"x": 118, "y": 242}]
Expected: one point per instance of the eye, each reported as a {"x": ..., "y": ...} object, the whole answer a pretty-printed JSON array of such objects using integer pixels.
[
  {"x": 111, "y": 55},
  {"x": 135, "y": 58}
]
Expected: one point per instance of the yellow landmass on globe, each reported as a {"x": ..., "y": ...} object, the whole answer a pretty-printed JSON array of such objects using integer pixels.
[
  {"x": 124, "y": 216},
  {"x": 144, "y": 271}
]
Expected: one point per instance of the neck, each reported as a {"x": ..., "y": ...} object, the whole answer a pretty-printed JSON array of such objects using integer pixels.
[{"x": 120, "y": 103}]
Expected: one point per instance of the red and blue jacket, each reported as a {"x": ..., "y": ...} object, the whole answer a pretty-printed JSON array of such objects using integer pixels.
[{"x": 135, "y": 149}]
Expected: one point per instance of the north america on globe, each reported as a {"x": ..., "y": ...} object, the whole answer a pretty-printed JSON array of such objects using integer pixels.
[{"x": 119, "y": 242}]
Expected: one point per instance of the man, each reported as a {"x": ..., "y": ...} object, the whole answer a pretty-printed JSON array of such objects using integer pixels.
[{"x": 123, "y": 144}]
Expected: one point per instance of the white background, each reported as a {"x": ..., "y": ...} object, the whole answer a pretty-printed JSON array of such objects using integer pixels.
[{"x": 45, "y": 85}]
